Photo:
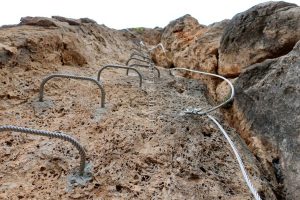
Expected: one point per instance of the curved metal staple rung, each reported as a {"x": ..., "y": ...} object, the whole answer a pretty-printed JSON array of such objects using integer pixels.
[
  {"x": 61, "y": 136},
  {"x": 122, "y": 67},
  {"x": 140, "y": 55},
  {"x": 137, "y": 59},
  {"x": 242, "y": 167},
  {"x": 146, "y": 66},
  {"x": 205, "y": 111},
  {"x": 135, "y": 50},
  {"x": 41, "y": 93}
]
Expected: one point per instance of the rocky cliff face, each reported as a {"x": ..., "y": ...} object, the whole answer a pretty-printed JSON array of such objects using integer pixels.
[
  {"x": 268, "y": 30},
  {"x": 266, "y": 106},
  {"x": 136, "y": 151},
  {"x": 136, "y": 160},
  {"x": 59, "y": 41},
  {"x": 191, "y": 45}
]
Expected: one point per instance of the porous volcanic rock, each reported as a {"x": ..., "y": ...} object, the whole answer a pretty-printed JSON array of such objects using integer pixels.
[
  {"x": 191, "y": 45},
  {"x": 267, "y": 30},
  {"x": 136, "y": 151}
]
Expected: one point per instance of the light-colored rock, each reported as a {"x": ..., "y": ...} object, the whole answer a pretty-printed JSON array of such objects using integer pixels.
[
  {"x": 60, "y": 41},
  {"x": 191, "y": 45}
]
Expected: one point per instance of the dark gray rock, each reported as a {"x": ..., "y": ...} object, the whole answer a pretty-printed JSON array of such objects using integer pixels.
[
  {"x": 87, "y": 21},
  {"x": 39, "y": 21},
  {"x": 267, "y": 30},
  {"x": 268, "y": 95},
  {"x": 72, "y": 22}
]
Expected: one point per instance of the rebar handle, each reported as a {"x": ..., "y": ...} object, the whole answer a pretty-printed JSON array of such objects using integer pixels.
[
  {"x": 122, "y": 67},
  {"x": 145, "y": 66},
  {"x": 61, "y": 136},
  {"x": 140, "y": 55},
  {"x": 137, "y": 59},
  {"x": 41, "y": 92}
]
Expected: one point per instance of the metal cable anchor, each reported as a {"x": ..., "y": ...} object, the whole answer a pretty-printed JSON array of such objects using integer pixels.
[
  {"x": 145, "y": 66},
  {"x": 41, "y": 92},
  {"x": 122, "y": 67},
  {"x": 208, "y": 110}
]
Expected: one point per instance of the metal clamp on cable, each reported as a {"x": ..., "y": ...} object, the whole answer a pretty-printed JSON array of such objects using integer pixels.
[{"x": 203, "y": 111}]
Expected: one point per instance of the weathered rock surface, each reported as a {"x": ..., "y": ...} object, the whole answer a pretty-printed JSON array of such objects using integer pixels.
[
  {"x": 74, "y": 22},
  {"x": 137, "y": 151},
  {"x": 148, "y": 35},
  {"x": 192, "y": 45},
  {"x": 39, "y": 21},
  {"x": 134, "y": 154},
  {"x": 60, "y": 41},
  {"x": 267, "y": 30},
  {"x": 267, "y": 107}
]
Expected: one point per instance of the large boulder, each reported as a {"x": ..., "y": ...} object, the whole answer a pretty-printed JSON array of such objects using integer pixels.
[
  {"x": 267, "y": 30},
  {"x": 267, "y": 113},
  {"x": 191, "y": 45},
  {"x": 181, "y": 32},
  {"x": 148, "y": 35}
]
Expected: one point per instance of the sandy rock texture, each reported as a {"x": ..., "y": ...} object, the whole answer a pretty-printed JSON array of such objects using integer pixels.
[
  {"x": 267, "y": 30},
  {"x": 60, "y": 41},
  {"x": 140, "y": 146},
  {"x": 191, "y": 45}
]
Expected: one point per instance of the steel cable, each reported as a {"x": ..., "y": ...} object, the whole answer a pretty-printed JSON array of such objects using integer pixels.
[
  {"x": 200, "y": 112},
  {"x": 208, "y": 110},
  {"x": 242, "y": 167}
]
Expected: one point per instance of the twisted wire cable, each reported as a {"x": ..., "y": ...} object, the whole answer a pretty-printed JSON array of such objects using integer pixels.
[
  {"x": 242, "y": 167},
  {"x": 200, "y": 112},
  {"x": 41, "y": 92},
  {"x": 208, "y": 110},
  {"x": 123, "y": 67},
  {"x": 61, "y": 136}
]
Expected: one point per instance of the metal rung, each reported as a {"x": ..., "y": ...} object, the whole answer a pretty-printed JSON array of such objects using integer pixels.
[
  {"x": 61, "y": 136},
  {"x": 145, "y": 66},
  {"x": 137, "y": 59},
  {"x": 41, "y": 93},
  {"x": 122, "y": 67}
]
